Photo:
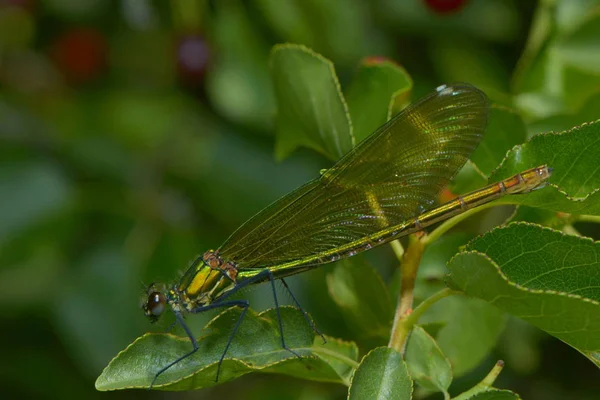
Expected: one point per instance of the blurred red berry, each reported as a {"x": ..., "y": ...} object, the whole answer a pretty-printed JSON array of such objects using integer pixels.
[
  {"x": 80, "y": 54},
  {"x": 445, "y": 6},
  {"x": 193, "y": 56}
]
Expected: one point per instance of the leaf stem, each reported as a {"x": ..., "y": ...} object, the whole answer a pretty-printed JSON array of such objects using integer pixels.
[
  {"x": 571, "y": 230},
  {"x": 485, "y": 384},
  {"x": 412, "y": 319},
  {"x": 409, "y": 267}
]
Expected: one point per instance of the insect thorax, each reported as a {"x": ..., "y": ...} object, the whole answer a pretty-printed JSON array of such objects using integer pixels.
[{"x": 205, "y": 281}]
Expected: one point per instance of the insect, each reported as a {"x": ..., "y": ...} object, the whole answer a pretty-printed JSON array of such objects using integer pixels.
[{"x": 383, "y": 189}]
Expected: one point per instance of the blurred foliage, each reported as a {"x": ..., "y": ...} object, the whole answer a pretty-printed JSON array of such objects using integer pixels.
[{"x": 135, "y": 134}]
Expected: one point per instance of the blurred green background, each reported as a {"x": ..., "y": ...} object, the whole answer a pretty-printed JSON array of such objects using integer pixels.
[{"x": 136, "y": 134}]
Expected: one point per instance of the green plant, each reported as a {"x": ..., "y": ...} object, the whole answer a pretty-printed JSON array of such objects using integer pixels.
[{"x": 443, "y": 326}]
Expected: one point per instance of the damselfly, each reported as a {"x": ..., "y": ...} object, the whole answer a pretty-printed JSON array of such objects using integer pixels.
[{"x": 383, "y": 189}]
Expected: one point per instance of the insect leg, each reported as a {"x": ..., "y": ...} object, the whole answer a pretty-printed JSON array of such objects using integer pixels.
[
  {"x": 261, "y": 276},
  {"x": 239, "y": 303},
  {"x": 187, "y": 330},
  {"x": 306, "y": 317}
]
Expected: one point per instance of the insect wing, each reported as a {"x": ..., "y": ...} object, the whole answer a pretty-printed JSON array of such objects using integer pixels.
[{"x": 394, "y": 174}]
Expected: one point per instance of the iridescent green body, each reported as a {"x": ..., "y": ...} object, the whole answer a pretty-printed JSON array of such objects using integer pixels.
[{"x": 206, "y": 281}]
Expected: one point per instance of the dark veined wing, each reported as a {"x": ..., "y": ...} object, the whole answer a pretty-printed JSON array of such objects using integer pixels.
[{"x": 393, "y": 175}]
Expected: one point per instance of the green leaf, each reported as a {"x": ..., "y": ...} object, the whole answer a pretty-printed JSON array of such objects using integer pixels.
[
  {"x": 426, "y": 363},
  {"x": 365, "y": 301},
  {"x": 574, "y": 156},
  {"x": 560, "y": 122},
  {"x": 255, "y": 347},
  {"x": 547, "y": 278},
  {"x": 494, "y": 394},
  {"x": 378, "y": 88},
  {"x": 312, "y": 111},
  {"x": 505, "y": 130},
  {"x": 432, "y": 269},
  {"x": 558, "y": 71},
  {"x": 382, "y": 374},
  {"x": 322, "y": 25},
  {"x": 470, "y": 329}
]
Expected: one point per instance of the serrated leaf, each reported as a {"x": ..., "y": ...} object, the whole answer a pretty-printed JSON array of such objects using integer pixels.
[
  {"x": 365, "y": 301},
  {"x": 547, "y": 278},
  {"x": 378, "y": 85},
  {"x": 256, "y": 347},
  {"x": 311, "y": 108},
  {"x": 574, "y": 156},
  {"x": 544, "y": 253},
  {"x": 382, "y": 374},
  {"x": 426, "y": 363}
]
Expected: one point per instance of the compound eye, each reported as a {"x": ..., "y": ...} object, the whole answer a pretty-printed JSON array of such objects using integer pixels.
[{"x": 155, "y": 304}]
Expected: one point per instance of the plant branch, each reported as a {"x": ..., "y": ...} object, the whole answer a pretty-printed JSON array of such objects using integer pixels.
[
  {"x": 571, "y": 230},
  {"x": 409, "y": 267},
  {"x": 412, "y": 319}
]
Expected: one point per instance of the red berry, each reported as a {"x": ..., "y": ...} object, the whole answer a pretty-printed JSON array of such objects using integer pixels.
[
  {"x": 445, "y": 6},
  {"x": 80, "y": 54}
]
